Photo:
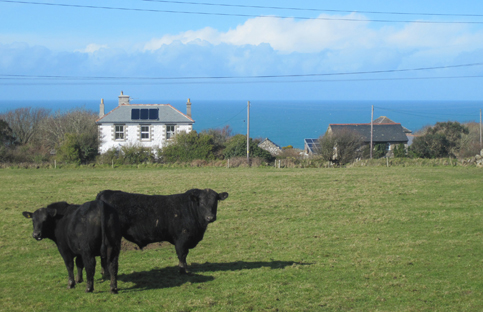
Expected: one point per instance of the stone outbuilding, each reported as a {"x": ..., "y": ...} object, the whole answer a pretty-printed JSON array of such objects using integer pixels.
[{"x": 270, "y": 147}]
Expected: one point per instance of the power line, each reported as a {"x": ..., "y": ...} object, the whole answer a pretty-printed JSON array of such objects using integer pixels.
[
  {"x": 313, "y": 10},
  {"x": 231, "y": 82},
  {"x": 238, "y": 14},
  {"x": 12, "y": 76}
]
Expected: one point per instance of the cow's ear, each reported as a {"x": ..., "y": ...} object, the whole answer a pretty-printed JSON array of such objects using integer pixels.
[
  {"x": 52, "y": 212},
  {"x": 223, "y": 196},
  {"x": 27, "y": 214}
]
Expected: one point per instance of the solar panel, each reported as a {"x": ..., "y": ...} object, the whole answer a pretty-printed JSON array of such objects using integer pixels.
[
  {"x": 144, "y": 114},
  {"x": 153, "y": 114},
  {"x": 135, "y": 114}
]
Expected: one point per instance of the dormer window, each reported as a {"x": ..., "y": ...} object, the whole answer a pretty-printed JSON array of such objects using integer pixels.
[{"x": 144, "y": 114}]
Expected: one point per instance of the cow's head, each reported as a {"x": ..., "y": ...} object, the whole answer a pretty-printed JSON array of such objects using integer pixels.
[
  {"x": 207, "y": 203},
  {"x": 43, "y": 221}
]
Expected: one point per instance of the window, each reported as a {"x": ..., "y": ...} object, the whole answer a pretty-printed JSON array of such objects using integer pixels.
[
  {"x": 119, "y": 132},
  {"x": 145, "y": 114},
  {"x": 145, "y": 132},
  {"x": 169, "y": 132}
]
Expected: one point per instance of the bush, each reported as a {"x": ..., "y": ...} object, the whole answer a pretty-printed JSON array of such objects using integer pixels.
[
  {"x": 342, "y": 146},
  {"x": 189, "y": 146},
  {"x": 237, "y": 147},
  {"x": 78, "y": 148}
]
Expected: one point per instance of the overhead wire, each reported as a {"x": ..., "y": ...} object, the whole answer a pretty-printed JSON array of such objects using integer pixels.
[
  {"x": 313, "y": 9},
  {"x": 239, "y": 14},
  {"x": 19, "y": 76}
]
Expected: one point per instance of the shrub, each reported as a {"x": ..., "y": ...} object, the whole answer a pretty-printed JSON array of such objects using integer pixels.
[
  {"x": 343, "y": 146},
  {"x": 237, "y": 147},
  {"x": 189, "y": 146}
]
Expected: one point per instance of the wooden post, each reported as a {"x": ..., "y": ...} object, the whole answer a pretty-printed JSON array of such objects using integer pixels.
[
  {"x": 481, "y": 143},
  {"x": 372, "y": 128},
  {"x": 248, "y": 133}
]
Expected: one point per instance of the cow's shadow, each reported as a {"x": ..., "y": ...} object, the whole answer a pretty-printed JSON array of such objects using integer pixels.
[{"x": 170, "y": 276}]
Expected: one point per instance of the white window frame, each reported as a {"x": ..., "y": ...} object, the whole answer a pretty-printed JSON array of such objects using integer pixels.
[
  {"x": 119, "y": 132},
  {"x": 146, "y": 132},
  {"x": 170, "y": 131}
]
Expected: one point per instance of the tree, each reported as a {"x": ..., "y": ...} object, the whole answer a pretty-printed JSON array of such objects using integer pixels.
[
  {"x": 237, "y": 147},
  {"x": 343, "y": 146},
  {"x": 442, "y": 140},
  {"x": 220, "y": 137},
  {"x": 6, "y": 134},
  {"x": 25, "y": 123},
  {"x": 189, "y": 146},
  {"x": 76, "y": 121},
  {"x": 430, "y": 146},
  {"x": 399, "y": 151},
  {"x": 452, "y": 131}
]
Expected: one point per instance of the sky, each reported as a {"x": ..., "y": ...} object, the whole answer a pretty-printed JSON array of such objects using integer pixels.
[{"x": 241, "y": 50}]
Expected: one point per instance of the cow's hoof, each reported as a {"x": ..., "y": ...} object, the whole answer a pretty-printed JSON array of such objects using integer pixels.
[
  {"x": 79, "y": 281},
  {"x": 88, "y": 290},
  {"x": 70, "y": 285},
  {"x": 114, "y": 291}
]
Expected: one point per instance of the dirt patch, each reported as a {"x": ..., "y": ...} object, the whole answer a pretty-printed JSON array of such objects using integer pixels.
[{"x": 126, "y": 245}]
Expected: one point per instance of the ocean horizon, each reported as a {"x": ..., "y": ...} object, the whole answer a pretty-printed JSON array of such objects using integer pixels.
[{"x": 289, "y": 122}]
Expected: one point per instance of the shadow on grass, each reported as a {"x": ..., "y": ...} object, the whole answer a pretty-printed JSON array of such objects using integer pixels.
[{"x": 170, "y": 276}]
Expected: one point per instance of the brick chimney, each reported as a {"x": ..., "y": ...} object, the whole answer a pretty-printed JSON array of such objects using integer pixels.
[
  {"x": 188, "y": 108},
  {"x": 101, "y": 109},
  {"x": 123, "y": 99}
]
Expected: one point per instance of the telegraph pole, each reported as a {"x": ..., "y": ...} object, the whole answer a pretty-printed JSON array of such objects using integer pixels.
[
  {"x": 372, "y": 128},
  {"x": 248, "y": 133},
  {"x": 481, "y": 142}
]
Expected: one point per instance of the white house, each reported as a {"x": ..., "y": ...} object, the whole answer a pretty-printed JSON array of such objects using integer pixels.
[{"x": 149, "y": 125}]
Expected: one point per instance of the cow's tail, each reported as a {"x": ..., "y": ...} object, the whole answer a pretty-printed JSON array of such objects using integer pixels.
[{"x": 103, "y": 230}]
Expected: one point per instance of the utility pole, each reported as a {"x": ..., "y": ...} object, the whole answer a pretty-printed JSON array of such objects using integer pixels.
[
  {"x": 372, "y": 128},
  {"x": 481, "y": 142},
  {"x": 248, "y": 133}
]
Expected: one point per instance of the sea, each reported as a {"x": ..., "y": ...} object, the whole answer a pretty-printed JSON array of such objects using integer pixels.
[{"x": 289, "y": 122}]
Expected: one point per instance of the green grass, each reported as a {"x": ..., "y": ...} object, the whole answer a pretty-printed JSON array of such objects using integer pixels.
[{"x": 364, "y": 239}]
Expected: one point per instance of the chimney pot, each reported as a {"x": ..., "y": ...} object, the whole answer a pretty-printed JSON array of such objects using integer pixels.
[
  {"x": 188, "y": 108},
  {"x": 101, "y": 109}
]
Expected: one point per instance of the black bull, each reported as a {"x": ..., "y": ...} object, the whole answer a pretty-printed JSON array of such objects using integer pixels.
[
  {"x": 180, "y": 219},
  {"x": 82, "y": 232}
]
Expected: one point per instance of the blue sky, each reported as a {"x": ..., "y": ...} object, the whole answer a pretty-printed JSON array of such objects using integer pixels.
[{"x": 97, "y": 52}]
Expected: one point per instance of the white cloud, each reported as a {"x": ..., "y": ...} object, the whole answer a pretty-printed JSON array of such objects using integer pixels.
[
  {"x": 91, "y": 48},
  {"x": 284, "y": 35},
  {"x": 317, "y": 35}
]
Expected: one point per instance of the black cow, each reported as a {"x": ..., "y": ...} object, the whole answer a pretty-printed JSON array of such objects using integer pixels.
[
  {"x": 82, "y": 232},
  {"x": 180, "y": 219}
]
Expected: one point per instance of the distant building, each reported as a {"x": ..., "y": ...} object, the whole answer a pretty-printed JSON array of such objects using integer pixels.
[
  {"x": 391, "y": 134},
  {"x": 270, "y": 147},
  {"x": 311, "y": 146},
  {"x": 148, "y": 125}
]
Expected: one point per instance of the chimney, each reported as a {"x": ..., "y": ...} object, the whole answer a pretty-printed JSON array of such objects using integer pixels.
[
  {"x": 101, "y": 109},
  {"x": 123, "y": 99},
  {"x": 188, "y": 108}
]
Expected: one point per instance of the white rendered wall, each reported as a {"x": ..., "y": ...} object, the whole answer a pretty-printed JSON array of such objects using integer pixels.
[{"x": 132, "y": 136}]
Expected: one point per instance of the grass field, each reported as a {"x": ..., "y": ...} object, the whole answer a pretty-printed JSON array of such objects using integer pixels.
[{"x": 364, "y": 239}]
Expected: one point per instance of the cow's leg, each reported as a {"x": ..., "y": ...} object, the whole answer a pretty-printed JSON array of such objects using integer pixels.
[
  {"x": 90, "y": 265},
  {"x": 104, "y": 268},
  {"x": 113, "y": 265},
  {"x": 69, "y": 264},
  {"x": 80, "y": 266},
  {"x": 182, "y": 252}
]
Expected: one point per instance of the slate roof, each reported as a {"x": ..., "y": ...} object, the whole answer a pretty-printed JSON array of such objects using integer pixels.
[
  {"x": 385, "y": 120},
  {"x": 383, "y": 133},
  {"x": 167, "y": 114}
]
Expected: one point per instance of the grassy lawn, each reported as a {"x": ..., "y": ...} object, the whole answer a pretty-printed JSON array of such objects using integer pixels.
[{"x": 364, "y": 239}]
